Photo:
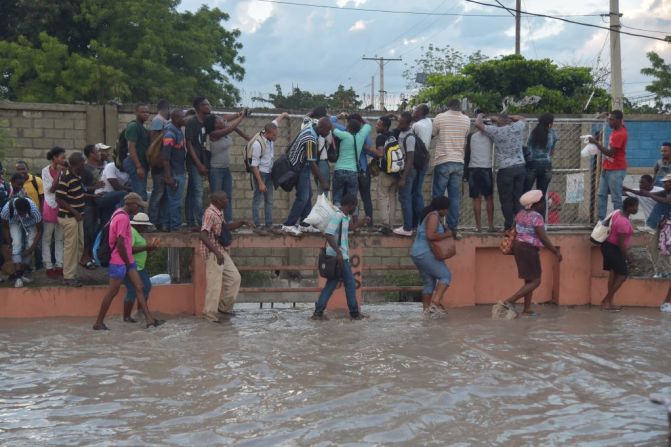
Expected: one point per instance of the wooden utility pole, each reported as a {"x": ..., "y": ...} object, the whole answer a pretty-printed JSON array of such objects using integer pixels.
[
  {"x": 615, "y": 57},
  {"x": 381, "y": 61},
  {"x": 518, "y": 25}
]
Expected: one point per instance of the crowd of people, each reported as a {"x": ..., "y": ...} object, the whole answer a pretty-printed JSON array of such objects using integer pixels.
[{"x": 54, "y": 220}]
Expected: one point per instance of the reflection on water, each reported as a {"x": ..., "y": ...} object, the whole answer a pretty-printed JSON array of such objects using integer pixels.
[{"x": 272, "y": 377}]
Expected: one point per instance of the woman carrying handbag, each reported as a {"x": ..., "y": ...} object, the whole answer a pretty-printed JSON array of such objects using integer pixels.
[{"x": 431, "y": 247}]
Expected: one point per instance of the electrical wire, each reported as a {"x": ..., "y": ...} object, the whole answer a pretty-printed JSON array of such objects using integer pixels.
[
  {"x": 667, "y": 32},
  {"x": 567, "y": 21},
  {"x": 390, "y": 11}
]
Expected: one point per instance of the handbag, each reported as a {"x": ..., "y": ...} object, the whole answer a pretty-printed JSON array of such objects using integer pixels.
[
  {"x": 602, "y": 229},
  {"x": 444, "y": 248},
  {"x": 327, "y": 264},
  {"x": 362, "y": 176},
  {"x": 506, "y": 245},
  {"x": 333, "y": 149}
]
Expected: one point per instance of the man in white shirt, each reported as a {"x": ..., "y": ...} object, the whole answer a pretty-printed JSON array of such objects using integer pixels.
[
  {"x": 451, "y": 129},
  {"x": 645, "y": 204},
  {"x": 422, "y": 126}
]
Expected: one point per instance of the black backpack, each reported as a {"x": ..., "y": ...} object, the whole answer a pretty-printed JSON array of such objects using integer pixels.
[
  {"x": 102, "y": 247},
  {"x": 421, "y": 152},
  {"x": 121, "y": 151}
]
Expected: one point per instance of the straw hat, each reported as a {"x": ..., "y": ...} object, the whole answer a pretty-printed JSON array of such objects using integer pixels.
[
  {"x": 530, "y": 198},
  {"x": 141, "y": 219}
]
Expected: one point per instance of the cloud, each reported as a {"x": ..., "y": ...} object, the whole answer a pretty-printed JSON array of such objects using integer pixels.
[
  {"x": 359, "y": 25},
  {"x": 251, "y": 15},
  {"x": 355, "y": 3}
]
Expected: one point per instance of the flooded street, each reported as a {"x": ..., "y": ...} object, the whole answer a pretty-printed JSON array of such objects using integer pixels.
[{"x": 273, "y": 377}]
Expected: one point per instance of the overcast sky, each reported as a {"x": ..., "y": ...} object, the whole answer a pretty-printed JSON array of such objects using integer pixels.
[{"x": 317, "y": 48}]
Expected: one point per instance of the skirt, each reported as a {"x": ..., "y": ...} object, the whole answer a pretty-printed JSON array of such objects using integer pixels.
[
  {"x": 613, "y": 258},
  {"x": 528, "y": 261}
]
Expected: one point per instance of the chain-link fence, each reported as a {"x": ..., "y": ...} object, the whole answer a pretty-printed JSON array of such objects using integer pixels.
[{"x": 571, "y": 196}]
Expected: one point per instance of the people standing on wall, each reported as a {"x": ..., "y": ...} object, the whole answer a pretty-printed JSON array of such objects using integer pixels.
[
  {"x": 222, "y": 278},
  {"x": 323, "y": 143},
  {"x": 663, "y": 165},
  {"x": 22, "y": 222},
  {"x": 197, "y": 161},
  {"x": 336, "y": 234},
  {"x": 160, "y": 120},
  {"x": 157, "y": 198},
  {"x": 347, "y": 168},
  {"x": 173, "y": 160},
  {"x": 529, "y": 239},
  {"x": 479, "y": 147},
  {"x": 110, "y": 196},
  {"x": 406, "y": 178},
  {"x": 422, "y": 126},
  {"x": 508, "y": 136},
  {"x": 540, "y": 146},
  {"x": 614, "y": 164},
  {"x": 96, "y": 156},
  {"x": 34, "y": 189},
  {"x": 615, "y": 251},
  {"x": 219, "y": 129},
  {"x": 387, "y": 185},
  {"x": 136, "y": 164},
  {"x": 434, "y": 272},
  {"x": 302, "y": 155},
  {"x": 450, "y": 130},
  {"x": 53, "y": 233}
]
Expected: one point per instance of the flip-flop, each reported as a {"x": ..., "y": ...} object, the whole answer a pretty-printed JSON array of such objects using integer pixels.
[
  {"x": 156, "y": 323},
  {"x": 102, "y": 327},
  {"x": 90, "y": 265},
  {"x": 130, "y": 320}
]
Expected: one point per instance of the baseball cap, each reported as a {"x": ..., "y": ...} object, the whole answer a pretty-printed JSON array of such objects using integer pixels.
[
  {"x": 141, "y": 219},
  {"x": 102, "y": 146},
  {"x": 133, "y": 197}
]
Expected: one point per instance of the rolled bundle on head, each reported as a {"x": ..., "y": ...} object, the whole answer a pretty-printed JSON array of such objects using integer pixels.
[{"x": 530, "y": 198}]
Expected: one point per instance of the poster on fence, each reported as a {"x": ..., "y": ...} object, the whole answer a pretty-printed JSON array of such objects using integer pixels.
[{"x": 575, "y": 188}]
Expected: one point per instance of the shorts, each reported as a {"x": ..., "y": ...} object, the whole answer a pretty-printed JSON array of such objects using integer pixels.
[
  {"x": 528, "y": 261},
  {"x": 613, "y": 259},
  {"x": 480, "y": 182},
  {"x": 431, "y": 270},
  {"x": 118, "y": 271}
]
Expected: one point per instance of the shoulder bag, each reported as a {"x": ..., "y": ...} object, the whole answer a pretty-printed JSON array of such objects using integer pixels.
[
  {"x": 444, "y": 248},
  {"x": 328, "y": 265}
]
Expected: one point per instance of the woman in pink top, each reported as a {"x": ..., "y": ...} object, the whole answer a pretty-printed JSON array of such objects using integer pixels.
[{"x": 615, "y": 251}]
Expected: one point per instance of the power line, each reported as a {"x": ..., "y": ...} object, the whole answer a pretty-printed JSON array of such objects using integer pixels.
[
  {"x": 390, "y": 11},
  {"x": 566, "y": 20},
  {"x": 667, "y": 32}
]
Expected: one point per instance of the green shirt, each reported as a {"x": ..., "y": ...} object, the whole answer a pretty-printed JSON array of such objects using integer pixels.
[
  {"x": 346, "y": 159},
  {"x": 139, "y": 241},
  {"x": 139, "y": 135}
]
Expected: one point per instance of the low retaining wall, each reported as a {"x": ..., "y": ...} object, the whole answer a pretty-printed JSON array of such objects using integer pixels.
[{"x": 481, "y": 275}]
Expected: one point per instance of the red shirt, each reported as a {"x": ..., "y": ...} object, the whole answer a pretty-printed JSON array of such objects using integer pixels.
[{"x": 618, "y": 143}]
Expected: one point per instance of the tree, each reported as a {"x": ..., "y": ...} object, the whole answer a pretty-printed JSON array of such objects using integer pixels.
[
  {"x": 341, "y": 99},
  {"x": 661, "y": 85},
  {"x": 126, "y": 50},
  {"x": 488, "y": 84},
  {"x": 437, "y": 60}
]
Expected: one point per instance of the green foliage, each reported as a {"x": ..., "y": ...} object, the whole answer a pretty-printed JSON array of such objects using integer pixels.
[
  {"x": 437, "y": 60},
  {"x": 96, "y": 51},
  {"x": 487, "y": 83},
  {"x": 341, "y": 99},
  {"x": 661, "y": 85}
]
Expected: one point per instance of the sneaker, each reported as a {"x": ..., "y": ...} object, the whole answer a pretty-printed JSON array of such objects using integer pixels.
[
  {"x": 436, "y": 310},
  {"x": 666, "y": 307},
  {"x": 646, "y": 229},
  {"x": 658, "y": 276},
  {"x": 18, "y": 283},
  {"x": 292, "y": 230},
  {"x": 401, "y": 232},
  {"x": 26, "y": 279},
  {"x": 456, "y": 235},
  {"x": 309, "y": 229}
]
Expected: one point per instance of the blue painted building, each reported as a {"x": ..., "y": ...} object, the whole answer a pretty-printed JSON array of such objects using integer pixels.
[{"x": 645, "y": 138}]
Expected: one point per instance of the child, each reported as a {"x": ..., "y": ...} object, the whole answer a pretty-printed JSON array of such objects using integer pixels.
[
  {"x": 140, "y": 224},
  {"x": 531, "y": 235}
]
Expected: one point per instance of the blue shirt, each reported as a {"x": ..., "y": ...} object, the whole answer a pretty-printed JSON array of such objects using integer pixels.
[
  {"x": 173, "y": 149},
  {"x": 30, "y": 220},
  {"x": 332, "y": 229},
  {"x": 363, "y": 160},
  {"x": 543, "y": 153},
  {"x": 348, "y": 143},
  {"x": 421, "y": 244}
]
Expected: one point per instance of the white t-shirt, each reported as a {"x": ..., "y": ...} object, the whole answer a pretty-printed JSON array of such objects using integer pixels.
[
  {"x": 423, "y": 129},
  {"x": 646, "y": 204},
  {"x": 111, "y": 171}
]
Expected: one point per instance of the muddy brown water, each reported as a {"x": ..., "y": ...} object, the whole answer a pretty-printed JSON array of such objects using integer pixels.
[{"x": 273, "y": 377}]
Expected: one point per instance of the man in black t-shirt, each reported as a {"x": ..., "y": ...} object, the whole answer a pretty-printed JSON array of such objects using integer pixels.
[{"x": 196, "y": 161}]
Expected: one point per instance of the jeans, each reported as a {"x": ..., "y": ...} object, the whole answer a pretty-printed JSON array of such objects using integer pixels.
[
  {"x": 267, "y": 200},
  {"x": 303, "y": 203},
  {"x": 130, "y": 289},
  {"x": 221, "y": 180},
  {"x": 350, "y": 291},
  {"x": 91, "y": 225},
  {"x": 611, "y": 183},
  {"x": 364, "y": 190},
  {"x": 406, "y": 199},
  {"x": 659, "y": 211},
  {"x": 18, "y": 245},
  {"x": 510, "y": 183},
  {"x": 137, "y": 184},
  {"x": 418, "y": 196},
  {"x": 449, "y": 176},
  {"x": 157, "y": 199},
  {"x": 431, "y": 270},
  {"x": 173, "y": 203},
  {"x": 108, "y": 203},
  {"x": 52, "y": 232},
  {"x": 344, "y": 182},
  {"x": 325, "y": 172},
  {"x": 194, "y": 197},
  {"x": 540, "y": 173}
]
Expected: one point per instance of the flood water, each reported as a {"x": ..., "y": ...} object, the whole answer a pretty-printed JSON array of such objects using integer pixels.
[{"x": 273, "y": 377}]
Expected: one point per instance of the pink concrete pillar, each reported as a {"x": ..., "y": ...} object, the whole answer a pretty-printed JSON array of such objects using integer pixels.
[
  {"x": 198, "y": 279},
  {"x": 339, "y": 301}
]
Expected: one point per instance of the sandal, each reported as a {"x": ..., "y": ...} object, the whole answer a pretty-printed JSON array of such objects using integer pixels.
[
  {"x": 156, "y": 323},
  {"x": 90, "y": 265},
  {"x": 102, "y": 327},
  {"x": 130, "y": 320}
]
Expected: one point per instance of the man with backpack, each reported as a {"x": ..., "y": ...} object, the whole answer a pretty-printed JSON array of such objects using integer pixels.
[
  {"x": 450, "y": 129},
  {"x": 132, "y": 151},
  {"x": 197, "y": 161},
  {"x": 173, "y": 157},
  {"x": 121, "y": 262},
  {"x": 23, "y": 222},
  {"x": 406, "y": 177},
  {"x": 387, "y": 187}
]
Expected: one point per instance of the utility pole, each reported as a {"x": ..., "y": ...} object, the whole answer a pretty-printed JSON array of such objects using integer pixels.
[
  {"x": 518, "y": 25},
  {"x": 372, "y": 92},
  {"x": 381, "y": 61},
  {"x": 615, "y": 57}
]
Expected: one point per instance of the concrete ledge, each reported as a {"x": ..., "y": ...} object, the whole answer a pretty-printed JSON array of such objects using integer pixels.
[{"x": 9, "y": 105}]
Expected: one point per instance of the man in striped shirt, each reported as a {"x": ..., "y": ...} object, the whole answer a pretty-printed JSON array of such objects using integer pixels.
[
  {"x": 70, "y": 198},
  {"x": 450, "y": 129}
]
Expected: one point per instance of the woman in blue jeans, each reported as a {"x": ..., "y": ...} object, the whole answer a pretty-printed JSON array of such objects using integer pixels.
[{"x": 434, "y": 272}]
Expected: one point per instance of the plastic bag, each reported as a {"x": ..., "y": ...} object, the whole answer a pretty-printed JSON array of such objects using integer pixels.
[
  {"x": 589, "y": 150},
  {"x": 161, "y": 279},
  {"x": 321, "y": 213}
]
